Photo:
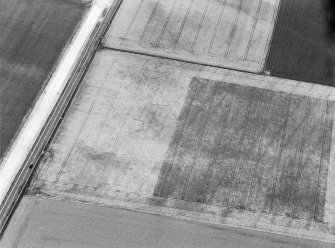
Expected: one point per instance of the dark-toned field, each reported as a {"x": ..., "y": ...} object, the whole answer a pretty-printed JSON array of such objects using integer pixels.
[
  {"x": 33, "y": 35},
  {"x": 301, "y": 48},
  {"x": 250, "y": 148}
]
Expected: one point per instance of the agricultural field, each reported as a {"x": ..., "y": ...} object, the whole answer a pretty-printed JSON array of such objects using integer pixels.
[{"x": 33, "y": 36}]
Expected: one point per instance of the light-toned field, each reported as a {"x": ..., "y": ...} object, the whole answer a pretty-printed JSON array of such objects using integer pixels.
[
  {"x": 42, "y": 223},
  {"x": 225, "y": 33},
  {"x": 198, "y": 143}
]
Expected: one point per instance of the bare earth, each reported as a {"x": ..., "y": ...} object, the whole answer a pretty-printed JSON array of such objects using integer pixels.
[
  {"x": 225, "y": 33},
  {"x": 235, "y": 148}
]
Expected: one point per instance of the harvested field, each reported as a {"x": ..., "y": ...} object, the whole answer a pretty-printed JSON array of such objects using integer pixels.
[
  {"x": 198, "y": 142},
  {"x": 225, "y": 33}
]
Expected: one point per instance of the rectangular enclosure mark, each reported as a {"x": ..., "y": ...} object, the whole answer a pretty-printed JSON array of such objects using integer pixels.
[{"x": 249, "y": 148}]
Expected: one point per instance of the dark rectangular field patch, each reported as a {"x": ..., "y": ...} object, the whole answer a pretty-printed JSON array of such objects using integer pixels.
[
  {"x": 33, "y": 36},
  {"x": 300, "y": 48},
  {"x": 250, "y": 148}
]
